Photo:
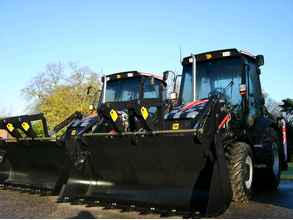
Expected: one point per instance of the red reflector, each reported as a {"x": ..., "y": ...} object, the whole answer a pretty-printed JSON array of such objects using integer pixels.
[{"x": 226, "y": 120}]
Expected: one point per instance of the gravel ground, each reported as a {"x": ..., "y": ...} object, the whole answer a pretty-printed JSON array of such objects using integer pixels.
[{"x": 23, "y": 205}]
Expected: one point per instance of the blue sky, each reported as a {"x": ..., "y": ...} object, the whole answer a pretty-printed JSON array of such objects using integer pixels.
[{"x": 143, "y": 35}]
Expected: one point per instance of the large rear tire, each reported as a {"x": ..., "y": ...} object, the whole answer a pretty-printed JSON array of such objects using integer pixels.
[
  {"x": 269, "y": 178},
  {"x": 241, "y": 171}
]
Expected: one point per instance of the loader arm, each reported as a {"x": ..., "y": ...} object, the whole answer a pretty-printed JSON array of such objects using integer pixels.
[
  {"x": 15, "y": 126},
  {"x": 75, "y": 116}
]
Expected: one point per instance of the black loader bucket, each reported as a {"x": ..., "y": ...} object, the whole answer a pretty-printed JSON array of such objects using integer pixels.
[
  {"x": 33, "y": 163},
  {"x": 165, "y": 171},
  {"x": 157, "y": 172}
]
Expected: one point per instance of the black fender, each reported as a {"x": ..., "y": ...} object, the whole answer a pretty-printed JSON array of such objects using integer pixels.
[
  {"x": 260, "y": 125},
  {"x": 256, "y": 135}
]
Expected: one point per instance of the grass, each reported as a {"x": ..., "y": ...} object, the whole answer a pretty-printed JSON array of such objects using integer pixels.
[{"x": 288, "y": 175}]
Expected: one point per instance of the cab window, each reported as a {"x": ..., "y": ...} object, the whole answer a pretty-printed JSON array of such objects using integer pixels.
[{"x": 151, "y": 89}]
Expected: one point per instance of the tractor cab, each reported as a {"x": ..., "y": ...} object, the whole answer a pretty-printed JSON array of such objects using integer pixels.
[
  {"x": 129, "y": 101},
  {"x": 233, "y": 73},
  {"x": 133, "y": 100},
  {"x": 121, "y": 89}
]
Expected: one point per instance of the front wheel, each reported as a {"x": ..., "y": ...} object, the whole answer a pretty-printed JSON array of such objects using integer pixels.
[{"x": 241, "y": 171}]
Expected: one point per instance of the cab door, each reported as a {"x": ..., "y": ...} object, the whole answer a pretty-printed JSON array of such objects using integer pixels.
[{"x": 254, "y": 93}]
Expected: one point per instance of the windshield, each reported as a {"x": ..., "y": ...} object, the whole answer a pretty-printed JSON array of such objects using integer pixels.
[
  {"x": 123, "y": 90},
  {"x": 223, "y": 75}
]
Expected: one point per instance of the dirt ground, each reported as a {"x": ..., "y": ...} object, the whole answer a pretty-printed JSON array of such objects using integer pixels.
[{"x": 23, "y": 205}]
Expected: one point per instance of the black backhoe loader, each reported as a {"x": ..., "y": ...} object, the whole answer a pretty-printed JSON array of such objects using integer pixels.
[
  {"x": 141, "y": 152},
  {"x": 37, "y": 163},
  {"x": 193, "y": 157},
  {"x": 33, "y": 163},
  {"x": 130, "y": 101}
]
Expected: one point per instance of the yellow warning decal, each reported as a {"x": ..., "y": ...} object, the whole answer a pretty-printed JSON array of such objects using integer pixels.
[
  {"x": 25, "y": 126},
  {"x": 10, "y": 127},
  {"x": 113, "y": 115},
  {"x": 144, "y": 113},
  {"x": 175, "y": 126}
]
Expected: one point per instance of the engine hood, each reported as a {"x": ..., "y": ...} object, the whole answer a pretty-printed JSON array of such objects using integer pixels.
[{"x": 188, "y": 111}]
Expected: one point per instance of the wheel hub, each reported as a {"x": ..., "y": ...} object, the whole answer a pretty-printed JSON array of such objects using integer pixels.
[
  {"x": 276, "y": 160},
  {"x": 249, "y": 172}
]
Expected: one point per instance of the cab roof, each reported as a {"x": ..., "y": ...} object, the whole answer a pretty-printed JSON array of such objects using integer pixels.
[
  {"x": 218, "y": 54},
  {"x": 129, "y": 74}
]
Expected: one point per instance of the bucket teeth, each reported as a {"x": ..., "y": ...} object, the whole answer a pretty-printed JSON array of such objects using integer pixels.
[
  {"x": 66, "y": 199},
  {"x": 63, "y": 199},
  {"x": 76, "y": 202},
  {"x": 152, "y": 209},
  {"x": 108, "y": 206},
  {"x": 92, "y": 202},
  {"x": 197, "y": 213}
]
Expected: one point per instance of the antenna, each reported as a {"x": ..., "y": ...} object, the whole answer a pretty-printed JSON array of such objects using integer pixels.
[{"x": 180, "y": 54}]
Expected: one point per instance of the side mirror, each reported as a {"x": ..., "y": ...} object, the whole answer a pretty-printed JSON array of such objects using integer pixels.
[
  {"x": 173, "y": 96},
  {"x": 260, "y": 60},
  {"x": 165, "y": 75}
]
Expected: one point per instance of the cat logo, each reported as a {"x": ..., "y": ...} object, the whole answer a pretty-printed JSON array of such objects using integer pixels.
[
  {"x": 73, "y": 132},
  {"x": 25, "y": 126},
  {"x": 113, "y": 115},
  {"x": 10, "y": 127},
  {"x": 144, "y": 113},
  {"x": 175, "y": 126}
]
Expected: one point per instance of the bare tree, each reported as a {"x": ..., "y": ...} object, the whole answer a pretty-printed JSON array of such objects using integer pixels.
[
  {"x": 272, "y": 105},
  {"x": 60, "y": 90},
  {"x": 44, "y": 82}
]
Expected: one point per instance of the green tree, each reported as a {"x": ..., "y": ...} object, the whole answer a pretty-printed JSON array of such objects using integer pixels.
[
  {"x": 287, "y": 108},
  {"x": 60, "y": 90}
]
